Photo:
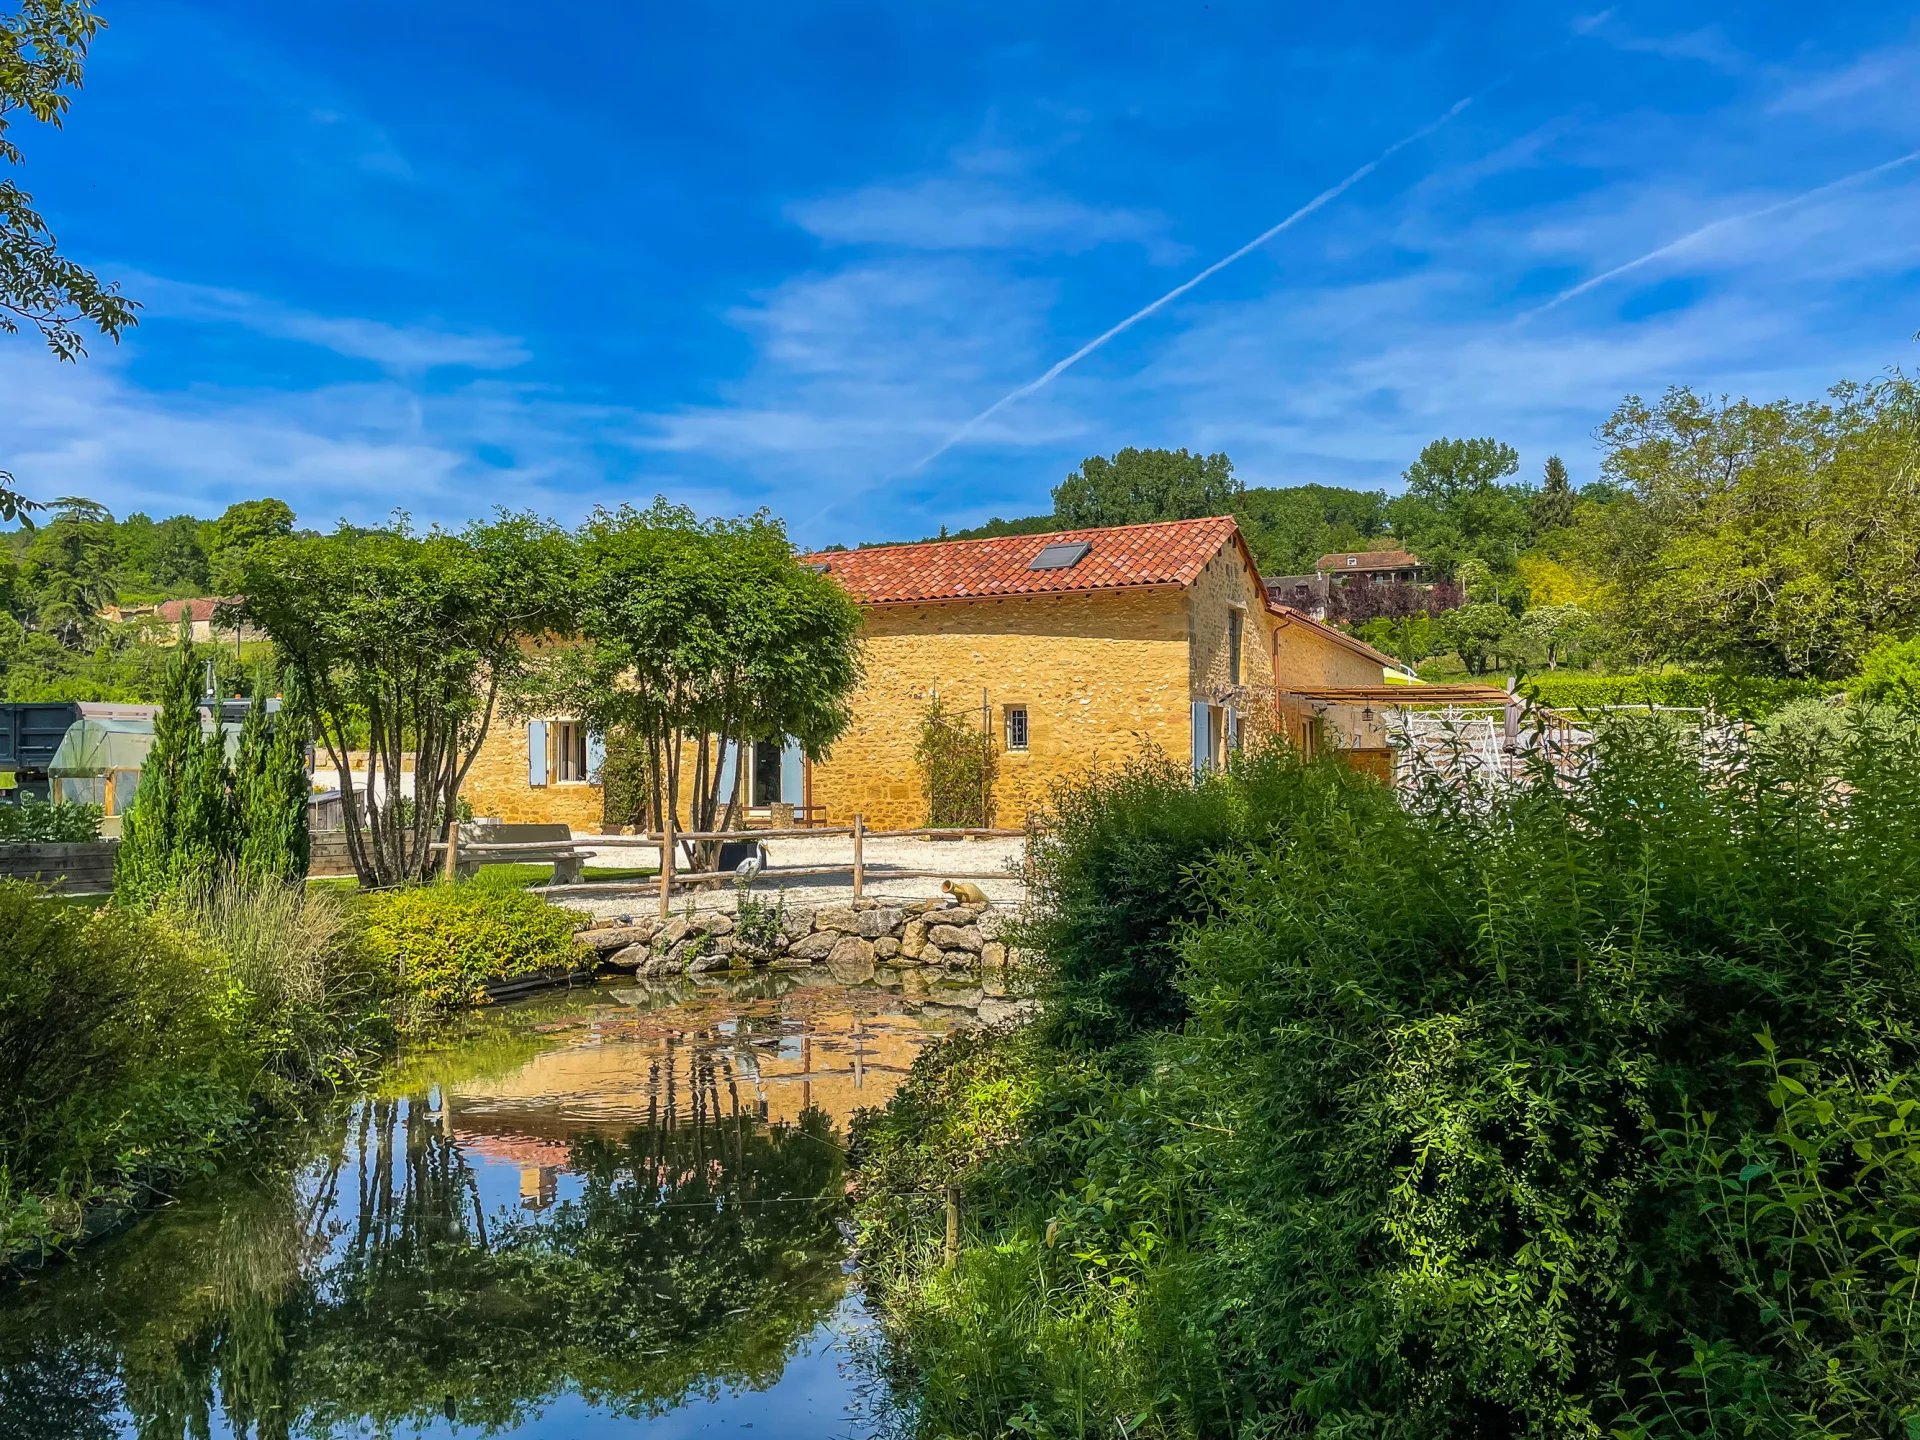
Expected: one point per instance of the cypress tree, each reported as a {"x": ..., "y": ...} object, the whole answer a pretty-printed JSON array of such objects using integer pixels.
[
  {"x": 271, "y": 787},
  {"x": 206, "y": 832},
  {"x": 149, "y": 830},
  {"x": 1553, "y": 502}
]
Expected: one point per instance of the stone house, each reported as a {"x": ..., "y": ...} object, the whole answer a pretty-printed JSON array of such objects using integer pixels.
[{"x": 1074, "y": 649}]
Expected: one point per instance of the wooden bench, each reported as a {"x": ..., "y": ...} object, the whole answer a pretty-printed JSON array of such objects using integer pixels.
[{"x": 533, "y": 844}]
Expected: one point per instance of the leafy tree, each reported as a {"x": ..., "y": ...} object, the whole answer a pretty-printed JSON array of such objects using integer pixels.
[
  {"x": 1447, "y": 472},
  {"x": 1555, "y": 631},
  {"x": 694, "y": 636},
  {"x": 242, "y": 528},
  {"x": 406, "y": 639},
  {"x": 1136, "y": 486},
  {"x": 1553, "y": 502},
  {"x": 1455, "y": 509},
  {"x": 145, "y": 866},
  {"x": 69, "y": 571},
  {"x": 1779, "y": 538},
  {"x": 1289, "y": 528},
  {"x": 164, "y": 555},
  {"x": 1478, "y": 633},
  {"x": 42, "y": 46}
]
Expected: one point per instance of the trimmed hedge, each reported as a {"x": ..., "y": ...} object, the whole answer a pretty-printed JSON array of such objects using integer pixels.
[
  {"x": 447, "y": 943},
  {"x": 1746, "y": 697}
]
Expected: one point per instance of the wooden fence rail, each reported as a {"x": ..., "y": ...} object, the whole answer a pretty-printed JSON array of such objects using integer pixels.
[{"x": 664, "y": 840}]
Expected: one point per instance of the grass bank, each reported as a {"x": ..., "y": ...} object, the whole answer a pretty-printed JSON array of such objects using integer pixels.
[
  {"x": 1580, "y": 1108},
  {"x": 137, "y": 1046}
]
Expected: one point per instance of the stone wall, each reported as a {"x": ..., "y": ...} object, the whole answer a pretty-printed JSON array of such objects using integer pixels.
[
  {"x": 82, "y": 869},
  {"x": 1228, "y": 586},
  {"x": 497, "y": 785},
  {"x": 1101, "y": 676},
  {"x": 1305, "y": 656},
  {"x": 851, "y": 937}
]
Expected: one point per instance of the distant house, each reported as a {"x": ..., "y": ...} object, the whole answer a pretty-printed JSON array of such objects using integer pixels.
[
  {"x": 1072, "y": 649},
  {"x": 1370, "y": 567},
  {"x": 1313, "y": 593},
  {"x": 166, "y": 618}
]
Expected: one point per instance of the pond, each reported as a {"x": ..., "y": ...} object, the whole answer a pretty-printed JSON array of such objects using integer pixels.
[{"x": 605, "y": 1211}]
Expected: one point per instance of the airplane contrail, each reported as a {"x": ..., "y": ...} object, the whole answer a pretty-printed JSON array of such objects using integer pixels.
[
  {"x": 1333, "y": 192},
  {"x": 1573, "y": 292}
]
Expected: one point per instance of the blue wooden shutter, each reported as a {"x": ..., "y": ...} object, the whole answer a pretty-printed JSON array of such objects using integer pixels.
[
  {"x": 729, "y": 754},
  {"x": 596, "y": 756},
  {"x": 793, "y": 774},
  {"x": 536, "y": 753},
  {"x": 1202, "y": 739}
]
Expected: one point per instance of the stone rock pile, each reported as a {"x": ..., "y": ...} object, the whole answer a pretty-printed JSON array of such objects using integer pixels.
[{"x": 852, "y": 935}]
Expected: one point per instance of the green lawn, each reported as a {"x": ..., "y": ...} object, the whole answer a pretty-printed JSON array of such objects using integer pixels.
[{"x": 522, "y": 876}]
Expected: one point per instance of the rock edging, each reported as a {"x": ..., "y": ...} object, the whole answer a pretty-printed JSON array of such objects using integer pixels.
[{"x": 852, "y": 935}]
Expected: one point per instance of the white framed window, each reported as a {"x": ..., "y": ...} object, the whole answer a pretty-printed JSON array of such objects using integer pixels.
[
  {"x": 569, "y": 752},
  {"x": 1016, "y": 727}
]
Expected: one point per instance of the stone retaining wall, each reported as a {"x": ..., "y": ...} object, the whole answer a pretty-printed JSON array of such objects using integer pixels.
[
  {"x": 85, "y": 868},
  {"x": 856, "y": 934}
]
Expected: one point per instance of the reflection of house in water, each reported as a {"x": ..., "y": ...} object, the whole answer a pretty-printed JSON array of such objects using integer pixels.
[
  {"x": 539, "y": 1185},
  {"x": 769, "y": 1061}
]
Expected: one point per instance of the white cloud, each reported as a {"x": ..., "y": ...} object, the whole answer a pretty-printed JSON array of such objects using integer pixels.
[
  {"x": 973, "y": 212},
  {"x": 358, "y": 451},
  {"x": 401, "y": 348}
]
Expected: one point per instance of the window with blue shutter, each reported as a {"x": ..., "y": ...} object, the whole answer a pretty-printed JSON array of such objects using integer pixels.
[
  {"x": 793, "y": 774},
  {"x": 1202, "y": 739},
  {"x": 536, "y": 753},
  {"x": 729, "y": 754},
  {"x": 596, "y": 756}
]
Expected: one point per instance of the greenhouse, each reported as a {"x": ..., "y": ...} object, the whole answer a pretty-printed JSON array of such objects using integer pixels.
[{"x": 99, "y": 760}]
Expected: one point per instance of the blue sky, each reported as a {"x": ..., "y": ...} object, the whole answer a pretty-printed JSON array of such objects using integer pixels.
[{"x": 446, "y": 257}]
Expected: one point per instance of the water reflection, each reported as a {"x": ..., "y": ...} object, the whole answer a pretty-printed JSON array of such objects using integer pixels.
[{"x": 595, "y": 1209}]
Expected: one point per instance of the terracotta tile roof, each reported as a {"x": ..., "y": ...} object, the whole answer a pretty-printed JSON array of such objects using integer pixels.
[
  {"x": 174, "y": 611},
  {"x": 1367, "y": 560},
  {"x": 1123, "y": 557}
]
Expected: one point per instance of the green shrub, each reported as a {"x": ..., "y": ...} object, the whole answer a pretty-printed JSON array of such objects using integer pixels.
[
  {"x": 1891, "y": 675},
  {"x": 1577, "y": 1107},
  {"x": 446, "y": 943},
  {"x": 33, "y": 823},
  {"x": 1113, "y": 868},
  {"x": 135, "y": 1044},
  {"x": 1746, "y": 697}
]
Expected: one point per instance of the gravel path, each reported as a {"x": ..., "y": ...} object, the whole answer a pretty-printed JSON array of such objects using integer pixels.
[{"x": 959, "y": 857}]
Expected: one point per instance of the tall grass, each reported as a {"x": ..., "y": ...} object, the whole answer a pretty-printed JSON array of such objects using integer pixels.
[{"x": 1577, "y": 1106}]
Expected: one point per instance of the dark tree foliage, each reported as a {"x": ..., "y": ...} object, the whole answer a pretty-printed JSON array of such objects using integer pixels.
[
  {"x": 1553, "y": 502},
  {"x": 1143, "y": 485},
  {"x": 1356, "y": 604}
]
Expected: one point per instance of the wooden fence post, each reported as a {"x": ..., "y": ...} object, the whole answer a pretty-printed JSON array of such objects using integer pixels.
[
  {"x": 859, "y": 855},
  {"x": 453, "y": 850},
  {"x": 953, "y": 1223},
  {"x": 666, "y": 864}
]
